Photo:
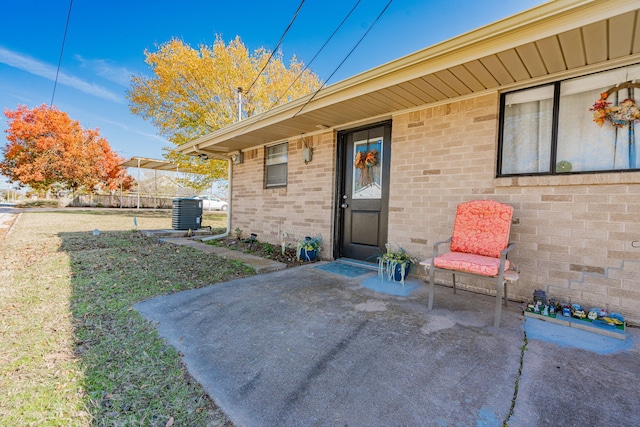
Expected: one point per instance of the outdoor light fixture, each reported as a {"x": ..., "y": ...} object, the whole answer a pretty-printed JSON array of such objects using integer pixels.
[
  {"x": 307, "y": 154},
  {"x": 237, "y": 158}
]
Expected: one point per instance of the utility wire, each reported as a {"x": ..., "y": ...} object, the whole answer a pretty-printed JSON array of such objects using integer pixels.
[
  {"x": 338, "y": 67},
  {"x": 315, "y": 56},
  {"x": 64, "y": 38},
  {"x": 277, "y": 46},
  {"x": 273, "y": 105},
  {"x": 345, "y": 58}
]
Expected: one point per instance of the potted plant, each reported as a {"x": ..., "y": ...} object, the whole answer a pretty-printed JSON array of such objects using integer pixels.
[
  {"x": 396, "y": 263},
  {"x": 308, "y": 248}
]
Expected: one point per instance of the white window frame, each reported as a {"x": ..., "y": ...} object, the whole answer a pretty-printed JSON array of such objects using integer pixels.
[{"x": 276, "y": 165}]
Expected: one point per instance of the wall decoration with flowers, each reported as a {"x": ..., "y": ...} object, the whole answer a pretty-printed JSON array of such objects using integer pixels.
[
  {"x": 625, "y": 113},
  {"x": 367, "y": 176}
]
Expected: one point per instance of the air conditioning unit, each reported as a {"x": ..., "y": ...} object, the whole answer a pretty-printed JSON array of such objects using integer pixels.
[{"x": 186, "y": 214}]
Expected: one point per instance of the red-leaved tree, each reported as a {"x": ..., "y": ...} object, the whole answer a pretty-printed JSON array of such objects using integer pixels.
[{"x": 46, "y": 150}]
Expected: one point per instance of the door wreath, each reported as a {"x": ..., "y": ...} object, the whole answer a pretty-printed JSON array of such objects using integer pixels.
[{"x": 364, "y": 161}]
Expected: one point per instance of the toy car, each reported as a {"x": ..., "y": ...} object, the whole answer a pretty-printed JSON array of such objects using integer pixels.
[
  {"x": 580, "y": 314},
  {"x": 612, "y": 321}
]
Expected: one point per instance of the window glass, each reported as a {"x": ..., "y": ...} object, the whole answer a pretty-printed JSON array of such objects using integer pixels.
[
  {"x": 277, "y": 157},
  {"x": 582, "y": 144},
  {"x": 543, "y": 135},
  {"x": 526, "y": 146}
]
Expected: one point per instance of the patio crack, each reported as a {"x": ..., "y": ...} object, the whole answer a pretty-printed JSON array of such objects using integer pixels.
[
  {"x": 505, "y": 423},
  {"x": 320, "y": 367}
]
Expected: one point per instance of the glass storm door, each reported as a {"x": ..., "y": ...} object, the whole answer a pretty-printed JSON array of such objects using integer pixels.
[{"x": 364, "y": 199}]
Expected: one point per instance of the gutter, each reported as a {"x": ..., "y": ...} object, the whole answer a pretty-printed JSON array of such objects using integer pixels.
[{"x": 226, "y": 233}]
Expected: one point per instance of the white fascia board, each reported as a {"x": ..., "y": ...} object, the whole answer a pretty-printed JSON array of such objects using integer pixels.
[{"x": 548, "y": 19}]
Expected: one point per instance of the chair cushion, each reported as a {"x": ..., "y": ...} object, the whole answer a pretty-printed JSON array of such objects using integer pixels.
[
  {"x": 481, "y": 227},
  {"x": 470, "y": 263}
]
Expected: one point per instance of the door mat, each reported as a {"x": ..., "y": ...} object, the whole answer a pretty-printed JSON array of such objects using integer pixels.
[
  {"x": 386, "y": 286},
  {"x": 345, "y": 269},
  {"x": 565, "y": 336}
]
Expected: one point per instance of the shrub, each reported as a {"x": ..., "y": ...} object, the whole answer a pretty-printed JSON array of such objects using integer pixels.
[{"x": 39, "y": 203}]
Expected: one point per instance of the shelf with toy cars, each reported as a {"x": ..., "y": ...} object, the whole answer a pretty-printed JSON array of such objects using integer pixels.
[{"x": 595, "y": 320}]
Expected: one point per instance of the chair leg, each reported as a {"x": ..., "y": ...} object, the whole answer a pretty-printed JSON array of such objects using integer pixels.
[
  {"x": 454, "y": 282},
  {"x": 505, "y": 293},
  {"x": 431, "y": 286},
  {"x": 496, "y": 321}
]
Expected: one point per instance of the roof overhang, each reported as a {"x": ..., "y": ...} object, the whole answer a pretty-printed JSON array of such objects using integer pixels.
[
  {"x": 557, "y": 39},
  {"x": 143, "y": 163}
]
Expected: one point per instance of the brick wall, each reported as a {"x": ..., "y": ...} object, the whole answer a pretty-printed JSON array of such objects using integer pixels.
[
  {"x": 574, "y": 234},
  {"x": 303, "y": 208}
]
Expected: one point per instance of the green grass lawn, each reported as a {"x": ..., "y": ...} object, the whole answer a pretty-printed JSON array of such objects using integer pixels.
[{"x": 74, "y": 351}]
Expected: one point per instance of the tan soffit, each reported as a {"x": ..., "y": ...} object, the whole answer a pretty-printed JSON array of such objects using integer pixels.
[{"x": 554, "y": 40}]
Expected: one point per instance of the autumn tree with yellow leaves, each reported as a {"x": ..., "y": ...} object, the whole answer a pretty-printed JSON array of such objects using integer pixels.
[{"x": 195, "y": 91}]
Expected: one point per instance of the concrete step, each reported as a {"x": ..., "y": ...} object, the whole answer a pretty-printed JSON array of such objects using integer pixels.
[{"x": 261, "y": 265}]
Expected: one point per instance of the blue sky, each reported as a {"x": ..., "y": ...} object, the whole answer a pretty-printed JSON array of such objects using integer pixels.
[{"x": 106, "y": 41}]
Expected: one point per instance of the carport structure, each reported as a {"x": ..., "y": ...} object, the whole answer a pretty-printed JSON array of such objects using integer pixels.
[
  {"x": 152, "y": 164},
  {"x": 163, "y": 165}
]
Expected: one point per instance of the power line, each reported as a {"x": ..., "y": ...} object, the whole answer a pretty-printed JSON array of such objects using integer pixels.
[
  {"x": 316, "y": 55},
  {"x": 345, "y": 58},
  {"x": 64, "y": 38},
  {"x": 277, "y": 46},
  {"x": 309, "y": 64},
  {"x": 339, "y": 65}
]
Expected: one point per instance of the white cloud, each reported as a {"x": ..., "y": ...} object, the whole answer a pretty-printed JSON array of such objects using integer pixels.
[
  {"x": 139, "y": 132},
  {"x": 104, "y": 69},
  {"x": 38, "y": 68}
]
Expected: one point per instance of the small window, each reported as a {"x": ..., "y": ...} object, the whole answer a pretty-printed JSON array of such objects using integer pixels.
[
  {"x": 277, "y": 158},
  {"x": 551, "y": 129}
]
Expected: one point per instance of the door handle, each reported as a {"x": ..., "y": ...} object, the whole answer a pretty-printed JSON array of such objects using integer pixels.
[{"x": 344, "y": 206}]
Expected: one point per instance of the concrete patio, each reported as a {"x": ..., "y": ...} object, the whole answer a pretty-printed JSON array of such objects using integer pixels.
[{"x": 304, "y": 346}]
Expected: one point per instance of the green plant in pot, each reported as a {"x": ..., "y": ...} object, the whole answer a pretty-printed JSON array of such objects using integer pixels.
[
  {"x": 395, "y": 263},
  {"x": 309, "y": 248}
]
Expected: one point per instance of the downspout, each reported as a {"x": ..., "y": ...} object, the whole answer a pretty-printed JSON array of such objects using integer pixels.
[
  {"x": 138, "y": 183},
  {"x": 226, "y": 233}
]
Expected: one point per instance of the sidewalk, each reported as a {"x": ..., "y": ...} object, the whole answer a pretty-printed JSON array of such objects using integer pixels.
[
  {"x": 261, "y": 265},
  {"x": 8, "y": 214}
]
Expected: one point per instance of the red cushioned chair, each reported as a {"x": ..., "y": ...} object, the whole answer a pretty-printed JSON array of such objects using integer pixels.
[{"x": 478, "y": 247}]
